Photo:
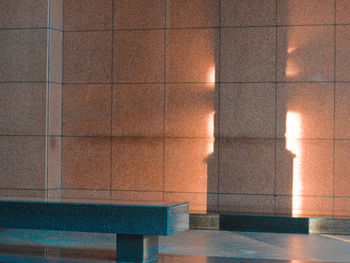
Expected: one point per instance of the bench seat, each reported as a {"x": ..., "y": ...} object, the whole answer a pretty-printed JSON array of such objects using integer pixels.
[{"x": 137, "y": 224}]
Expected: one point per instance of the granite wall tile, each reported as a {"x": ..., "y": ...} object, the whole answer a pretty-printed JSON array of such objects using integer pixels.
[
  {"x": 248, "y": 55},
  {"x": 305, "y": 206},
  {"x": 138, "y": 110},
  {"x": 248, "y": 13},
  {"x": 246, "y": 203},
  {"x": 86, "y": 163},
  {"x": 54, "y": 178},
  {"x": 139, "y": 14},
  {"x": 23, "y": 14},
  {"x": 342, "y": 168},
  {"x": 86, "y": 110},
  {"x": 137, "y": 164},
  {"x": 23, "y": 55},
  {"x": 192, "y": 55},
  {"x": 87, "y": 57},
  {"x": 342, "y": 53},
  {"x": 191, "y": 110},
  {"x": 300, "y": 12},
  {"x": 22, "y": 164},
  {"x": 342, "y": 11},
  {"x": 305, "y": 110},
  {"x": 137, "y": 195},
  {"x": 138, "y": 56},
  {"x": 85, "y": 194},
  {"x": 55, "y": 109},
  {"x": 342, "y": 111},
  {"x": 23, "y": 108},
  {"x": 22, "y": 193},
  {"x": 304, "y": 167},
  {"x": 55, "y": 46},
  {"x": 247, "y": 166},
  {"x": 190, "y": 165},
  {"x": 341, "y": 207},
  {"x": 194, "y": 13},
  {"x": 88, "y": 15},
  {"x": 305, "y": 53},
  {"x": 247, "y": 110},
  {"x": 56, "y": 14}
]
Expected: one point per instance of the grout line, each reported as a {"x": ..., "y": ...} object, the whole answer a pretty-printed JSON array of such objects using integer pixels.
[
  {"x": 112, "y": 69},
  {"x": 164, "y": 93},
  {"x": 62, "y": 97},
  {"x": 334, "y": 98},
  {"x": 32, "y": 28},
  {"x": 218, "y": 115},
  {"x": 48, "y": 100},
  {"x": 275, "y": 142}
]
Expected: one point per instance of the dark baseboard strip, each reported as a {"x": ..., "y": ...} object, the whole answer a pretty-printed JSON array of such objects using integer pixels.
[{"x": 277, "y": 224}]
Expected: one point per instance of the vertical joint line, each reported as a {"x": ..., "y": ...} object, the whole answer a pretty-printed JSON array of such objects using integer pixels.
[
  {"x": 218, "y": 113},
  {"x": 334, "y": 98},
  {"x": 275, "y": 135},
  {"x": 164, "y": 93},
  {"x": 111, "y": 101}
]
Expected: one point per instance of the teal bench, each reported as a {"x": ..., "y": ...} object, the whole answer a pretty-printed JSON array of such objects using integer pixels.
[{"x": 137, "y": 225}]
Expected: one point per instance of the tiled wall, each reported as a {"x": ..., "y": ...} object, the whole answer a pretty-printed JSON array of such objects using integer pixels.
[
  {"x": 233, "y": 105},
  {"x": 30, "y": 100}
]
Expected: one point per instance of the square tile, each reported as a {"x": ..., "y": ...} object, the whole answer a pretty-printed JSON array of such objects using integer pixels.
[
  {"x": 54, "y": 177},
  {"x": 138, "y": 110},
  {"x": 342, "y": 168},
  {"x": 137, "y": 195},
  {"x": 23, "y": 55},
  {"x": 138, "y": 56},
  {"x": 85, "y": 194},
  {"x": 248, "y": 13},
  {"x": 56, "y": 14},
  {"x": 23, "y": 108},
  {"x": 137, "y": 164},
  {"x": 22, "y": 193},
  {"x": 247, "y": 110},
  {"x": 86, "y": 110},
  {"x": 305, "y": 206},
  {"x": 194, "y": 13},
  {"x": 55, "y": 47},
  {"x": 191, "y": 110},
  {"x": 87, "y": 57},
  {"x": 190, "y": 165},
  {"x": 247, "y": 166},
  {"x": 304, "y": 167},
  {"x": 132, "y": 14},
  {"x": 305, "y": 53},
  {"x": 248, "y": 55},
  {"x": 342, "y": 111},
  {"x": 22, "y": 162},
  {"x": 341, "y": 207},
  {"x": 86, "y": 163},
  {"x": 342, "y": 53},
  {"x": 200, "y": 203},
  {"x": 192, "y": 55},
  {"x": 301, "y": 12},
  {"x": 55, "y": 109},
  {"x": 246, "y": 203},
  {"x": 88, "y": 15},
  {"x": 342, "y": 11},
  {"x": 305, "y": 110},
  {"x": 23, "y": 14}
]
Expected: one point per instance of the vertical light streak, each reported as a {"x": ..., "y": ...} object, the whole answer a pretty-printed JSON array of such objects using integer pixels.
[{"x": 293, "y": 132}]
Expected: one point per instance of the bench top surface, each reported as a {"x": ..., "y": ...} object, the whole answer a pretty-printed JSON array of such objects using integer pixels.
[
  {"x": 89, "y": 202},
  {"x": 89, "y": 215}
]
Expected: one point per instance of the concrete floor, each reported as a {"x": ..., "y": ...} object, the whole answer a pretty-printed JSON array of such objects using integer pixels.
[{"x": 202, "y": 246}]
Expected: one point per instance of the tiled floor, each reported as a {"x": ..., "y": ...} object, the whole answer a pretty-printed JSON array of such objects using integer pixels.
[{"x": 200, "y": 246}]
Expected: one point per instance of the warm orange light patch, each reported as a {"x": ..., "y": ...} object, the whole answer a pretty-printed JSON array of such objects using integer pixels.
[
  {"x": 211, "y": 132},
  {"x": 211, "y": 74},
  {"x": 290, "y": 50},
  {"x": 294, "y": 131},
  {"x": 291, "y": 68}
]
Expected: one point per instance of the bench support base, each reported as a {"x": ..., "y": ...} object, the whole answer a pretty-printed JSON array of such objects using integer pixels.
[{"x": 137, "y": 248}]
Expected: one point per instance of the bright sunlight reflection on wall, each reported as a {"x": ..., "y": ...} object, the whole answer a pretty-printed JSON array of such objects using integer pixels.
[{"x": 293, "y": 131}]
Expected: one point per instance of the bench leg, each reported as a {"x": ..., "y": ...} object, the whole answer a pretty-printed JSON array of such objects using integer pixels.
[{"x": 137, "y": 248}]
